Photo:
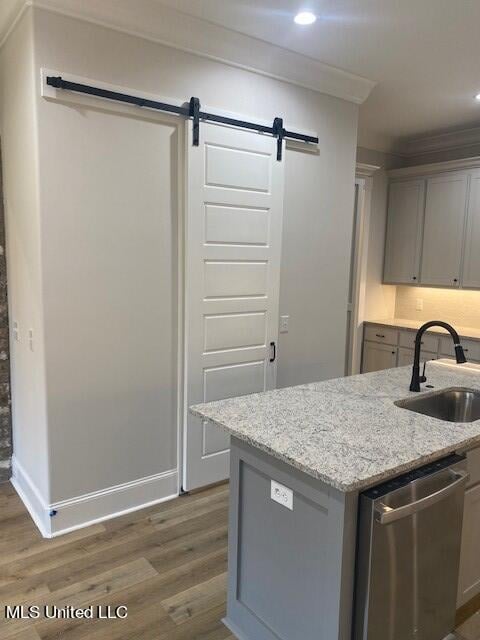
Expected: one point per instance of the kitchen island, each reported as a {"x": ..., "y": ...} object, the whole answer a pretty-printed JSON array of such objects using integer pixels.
[{"x": 300, "y": 457}]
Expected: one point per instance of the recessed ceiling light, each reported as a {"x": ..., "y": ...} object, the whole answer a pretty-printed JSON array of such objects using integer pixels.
[
  {"x": 306, "y": 17},
  {"x": 477, "y": 97}
]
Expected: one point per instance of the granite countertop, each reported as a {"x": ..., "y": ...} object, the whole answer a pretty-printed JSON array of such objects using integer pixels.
[
  {"x": 414, "y": 325},
  {"x": 347, "y": 432}
]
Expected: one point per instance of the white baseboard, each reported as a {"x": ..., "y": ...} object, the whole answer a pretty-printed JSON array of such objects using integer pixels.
[
  {"x": 61, "y": 517},
  {"x": 31, "y": 497}
]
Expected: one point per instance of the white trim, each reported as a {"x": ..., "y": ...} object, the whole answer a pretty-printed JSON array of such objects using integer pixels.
[
  {"x": 363, "y": 170},
  {"x": 364, "y": 178},
  {"x": 90, "y": 508},
  {"x": 31, "y": 497},
  {"x": 112, "y": 502},
  {"x": 166, "y": 26},
  {"x": 464, "y": 138},
  {"x": 435, "y": 167}
]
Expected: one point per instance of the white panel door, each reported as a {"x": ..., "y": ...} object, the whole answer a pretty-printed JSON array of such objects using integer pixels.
[
  {"x": 471, "y": 266},
  {"x": 233, "y": 241},
  {"x": 443, "y": 229},
  {"x": 404, "y": 232}
]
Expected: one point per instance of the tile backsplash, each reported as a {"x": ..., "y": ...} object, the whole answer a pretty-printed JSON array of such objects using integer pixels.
[{"x": 455, "y": 306}]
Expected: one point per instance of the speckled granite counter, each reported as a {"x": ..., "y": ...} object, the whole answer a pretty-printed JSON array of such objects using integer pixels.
[
  {"x": 471, "y": 333},
  {"x": 347, "y": 432}
]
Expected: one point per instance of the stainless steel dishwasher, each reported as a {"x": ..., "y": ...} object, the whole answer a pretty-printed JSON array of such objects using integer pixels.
[{"x": 408, "y": 554}]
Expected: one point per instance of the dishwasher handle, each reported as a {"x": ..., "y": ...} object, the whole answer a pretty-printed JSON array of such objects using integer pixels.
[{"x": 385, "y": 514}]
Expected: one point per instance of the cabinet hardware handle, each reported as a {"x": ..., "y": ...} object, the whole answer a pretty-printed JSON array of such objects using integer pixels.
[
  {"x": 274, "y": 347},
  {"x": 393, "y": 353},
  {"x": 455, "y": 279},
  {"x": 414, "y": 277},
  {"x": 380, "y": 335}
]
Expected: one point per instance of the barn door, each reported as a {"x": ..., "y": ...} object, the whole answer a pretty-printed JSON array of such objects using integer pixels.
[{"x": 233, "y": 238}]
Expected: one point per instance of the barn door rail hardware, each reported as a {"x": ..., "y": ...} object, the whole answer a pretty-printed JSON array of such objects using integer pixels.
[{"x": 192, "y": 111}]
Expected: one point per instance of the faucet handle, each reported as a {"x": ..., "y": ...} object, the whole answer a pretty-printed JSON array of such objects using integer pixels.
[
  {"x": 423, "y": 377},
  {"x": 460, "y": 356}
]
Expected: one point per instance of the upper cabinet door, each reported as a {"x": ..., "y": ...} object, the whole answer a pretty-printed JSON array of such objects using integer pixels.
[
  {"x": 471, "y": 265},
  {"x": 444, "y": 229},
  {"x": 404, "y": 232}
]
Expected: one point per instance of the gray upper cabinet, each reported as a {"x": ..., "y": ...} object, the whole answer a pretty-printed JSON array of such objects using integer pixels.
[
  {"x": 445, "y": 210},
  {"x": 404, "y": 232},
  {"x": 471, "y": 265}
]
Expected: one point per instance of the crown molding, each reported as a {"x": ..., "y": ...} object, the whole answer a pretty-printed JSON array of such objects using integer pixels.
[
  {"x": 153, "y": 21},
  {"x": 435, "y": 167},
  {"x": 363, "y": 170},
  {"x": 447, "y": 140}
]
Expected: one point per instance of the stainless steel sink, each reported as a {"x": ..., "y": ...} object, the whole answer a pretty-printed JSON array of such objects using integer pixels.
[{"x": 454, "y": 404}]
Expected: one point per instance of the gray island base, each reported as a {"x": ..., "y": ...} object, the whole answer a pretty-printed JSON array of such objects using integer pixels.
[
  {"x": 300, "y": 458},
  {"x": 291, "y": 571}
]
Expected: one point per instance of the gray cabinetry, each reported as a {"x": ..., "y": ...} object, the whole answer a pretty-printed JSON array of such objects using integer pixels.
[
  {"x": 290, "y": 568},
  {"x": 404, "y": 232},
  {"x": 469, "y": 576},
  {"x": 433, "y": 228},
  {"x": 471, "y": 264},
  {"x": 378, "y": 356},
  {"x": 443, "y": 229},
  {"x": 405, "y": 356},
  {"x": 387, "y": 347}
]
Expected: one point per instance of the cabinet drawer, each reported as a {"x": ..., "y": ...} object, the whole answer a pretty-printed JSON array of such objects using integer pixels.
[
  {"x": 405, "y": 356},
  {"x": 471, "y": 348},
  {"x": 377, "y": 333},
  {"x": 429, "y": 342}
]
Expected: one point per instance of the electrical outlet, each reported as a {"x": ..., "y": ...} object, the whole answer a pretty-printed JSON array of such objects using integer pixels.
[
  {"x": 284, "y": 320},
  {"x": 282, "y": 495},
  {"x": 419, "y": 304}
]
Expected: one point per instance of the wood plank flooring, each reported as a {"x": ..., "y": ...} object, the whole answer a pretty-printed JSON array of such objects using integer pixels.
[{"x": 167, "y": 564}]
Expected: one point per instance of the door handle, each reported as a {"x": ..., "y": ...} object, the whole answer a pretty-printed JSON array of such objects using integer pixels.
[
  {"x": 385, "y": 514},
  {"x": 274, "y": 351}
]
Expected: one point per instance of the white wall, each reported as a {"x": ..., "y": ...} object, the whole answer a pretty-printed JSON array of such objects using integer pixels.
[
  {"x": 315, "y": 266},
  {"x": 88, "y": 450},
  {"x": 379, "y": 298},
  {"x": 19, "y": 151}
]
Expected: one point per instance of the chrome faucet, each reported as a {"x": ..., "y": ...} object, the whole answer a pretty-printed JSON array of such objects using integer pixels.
[{"x": 460, "y": 356}]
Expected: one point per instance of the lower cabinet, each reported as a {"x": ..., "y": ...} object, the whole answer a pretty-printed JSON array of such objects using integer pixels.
[
  {"x": 378, "y": 356},
  {"x": 469, "y": 576},
  {"x": 387, "y": 347},
  {"x": 405, "y": 356}
]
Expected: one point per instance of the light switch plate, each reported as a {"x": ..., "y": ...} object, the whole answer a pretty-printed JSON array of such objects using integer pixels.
[
  {"x": 284, "y": 320},
  {"x": 281, "y": 494}
]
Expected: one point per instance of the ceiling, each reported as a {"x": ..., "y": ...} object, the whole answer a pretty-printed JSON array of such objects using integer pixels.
[{"x": 423, "y": 54}]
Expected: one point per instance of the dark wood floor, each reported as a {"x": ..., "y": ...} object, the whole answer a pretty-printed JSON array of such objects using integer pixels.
[{"x": 167, "y": 564}]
